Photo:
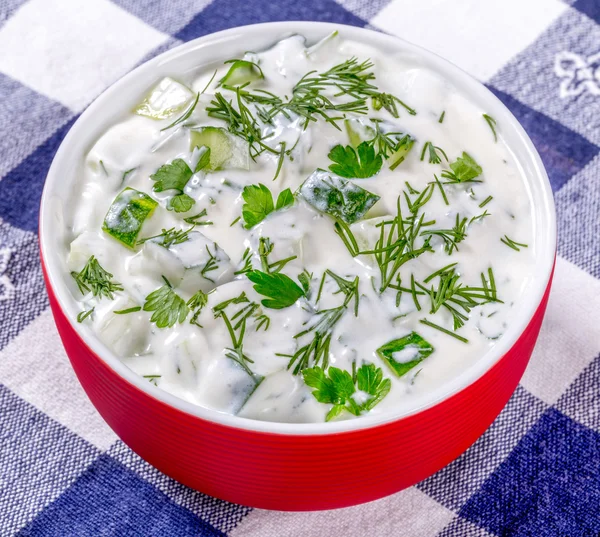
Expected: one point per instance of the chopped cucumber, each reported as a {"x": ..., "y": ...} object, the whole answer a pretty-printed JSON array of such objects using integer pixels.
[
  {"x": 125, "y": 217},
  {"x": 358, "y": 131},
  {"x": 226, "y": 150},
  {"x": 164, "y": 100},
  {"x": 401, "y": 355},
  {"x": 242, "y": 72},
  {"x": 337, "y": 197}
]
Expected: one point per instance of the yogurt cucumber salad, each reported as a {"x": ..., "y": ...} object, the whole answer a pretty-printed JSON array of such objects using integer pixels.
[{"x": 308, "y": 233}]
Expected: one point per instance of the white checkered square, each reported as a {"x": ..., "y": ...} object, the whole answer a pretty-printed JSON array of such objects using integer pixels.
[
  {"x": 480, "y": 37},
  {"x": 71, "y": 51},
  {"x": 399, "y": 514}
]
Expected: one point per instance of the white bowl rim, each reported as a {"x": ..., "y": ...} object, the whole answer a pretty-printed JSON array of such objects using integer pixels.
[{"x": 544, "y": 210}]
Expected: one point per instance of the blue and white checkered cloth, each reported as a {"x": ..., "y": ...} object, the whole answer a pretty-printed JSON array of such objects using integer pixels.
[{"x": 535, "y": 472}]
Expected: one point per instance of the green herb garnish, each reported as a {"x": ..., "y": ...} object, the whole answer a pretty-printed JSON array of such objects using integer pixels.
[
  {"x": 492, "y": 124},
  {"x": 281, "y": 291},
  {"x": 316, "y": 351},
  {"x": 464, "y": 170},
  {"x": 82, "y": 316},
  {"x": 427, "y": 322},
  {"x": 434, "y": 158},
  {"x": 356, "y": 163},
  {"x": 451, "y": 237},
  {"x": 196, "y": 305},
  {"x": 405, "y": 353},
  {"x": 128, "y": 310},
  {"x": 96, "y": 279},
  {"x": 167, "y": 306},
  {"x": 513, "y": 244},
  {"x": 337, "y": 387},
  {"x": 259, "y": 203}
]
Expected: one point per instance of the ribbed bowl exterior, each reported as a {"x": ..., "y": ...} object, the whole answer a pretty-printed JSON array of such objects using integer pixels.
[{"x": 296, "y": 472}]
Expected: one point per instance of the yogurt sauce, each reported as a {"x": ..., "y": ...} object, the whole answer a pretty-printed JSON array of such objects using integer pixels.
[{"x": 191, "y": 360}]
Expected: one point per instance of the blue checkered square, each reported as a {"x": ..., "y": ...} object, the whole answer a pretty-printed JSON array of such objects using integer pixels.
[
  {"x": 37, "y": 116},
  {"x": 220, "y": 514},
  {"x": 563, "y": 151},
  {"x": 32, "y": 172},
  {"x": 108, "y": 500},
  {"x": 591, "y": 8},
  {"x": 548, "y": 486},
  {"x": 222, "y": 14}
]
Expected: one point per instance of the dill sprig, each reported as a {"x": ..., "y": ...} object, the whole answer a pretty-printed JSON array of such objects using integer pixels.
[
  {"x": 513, "y": 244},
  {"x": 457, "y": 298},
  {"x": 196, "y": 219},
  {"x": 96, "y": 279},
  {"x": 427, "y": 322},
  {"x": 211, "y": 263},
  {"x": 316, "y": 351},
  {"x": 434, "y": 158},
  {"x": 169, "y": 236},
  {"x": 451, "y": 237},
  {"x": 236, "y": 326},
  {"x": 390, "y": 102},
  {"x": 246, "y": 263},
  {"x": 492, "y": 124},
  {"x": 265, "y": 248}
]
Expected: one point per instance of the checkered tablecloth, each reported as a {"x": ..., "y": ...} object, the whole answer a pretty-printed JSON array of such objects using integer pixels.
[{"x": 535, "y": 472}]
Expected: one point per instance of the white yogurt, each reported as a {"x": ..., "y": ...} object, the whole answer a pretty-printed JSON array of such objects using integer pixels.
[{"x": 190, "y": 360}]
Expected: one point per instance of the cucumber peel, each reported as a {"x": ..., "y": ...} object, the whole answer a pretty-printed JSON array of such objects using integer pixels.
[
  {"x": 402, "y": 355},
  {"x": 242, "y": 72},
  {"x": 125, "y": 217}
]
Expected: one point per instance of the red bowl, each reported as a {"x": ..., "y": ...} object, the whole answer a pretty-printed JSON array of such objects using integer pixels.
[{"x": 290, "y": 466}]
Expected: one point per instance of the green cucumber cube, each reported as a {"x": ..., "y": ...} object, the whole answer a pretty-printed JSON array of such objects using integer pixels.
[
  {"x": 242, "y": 72},
  {"x": 401, "y": 355},
  {"x": 125, "y": 217},
  {"x": 335, "y": 196},
  {"x": 226, "y": 150},
  {"x": 164, "y": 100}
]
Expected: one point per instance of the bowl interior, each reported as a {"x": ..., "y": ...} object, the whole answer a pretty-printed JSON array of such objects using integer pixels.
[{"x": 206, "y": 51}]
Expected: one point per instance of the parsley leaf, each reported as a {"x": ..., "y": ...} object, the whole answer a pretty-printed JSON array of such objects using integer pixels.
[
  {"x": 180, "y": 203},
  {"x": 175, "y": 176},
  {"x": 464, "y": 170},
  {"x": 337, "y": 387},
  {"x": 281, "y": 291},
  {"x": 358, "y": 163},
  {"x": 285, "y": 199},
  {"x": 370, "y": 380},
  {"x": 167, "y": 306},
  {"x": 259, "y": 203},
  {"x": 172, "y": 176}
]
